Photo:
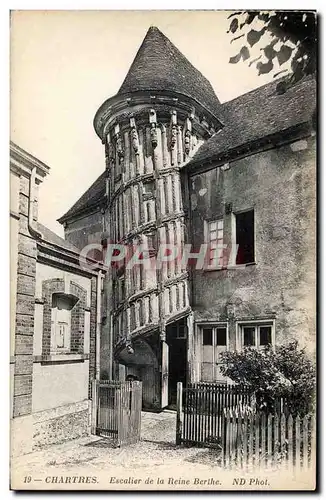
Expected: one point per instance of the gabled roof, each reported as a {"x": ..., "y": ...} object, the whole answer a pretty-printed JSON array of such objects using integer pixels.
[
  {"x": 53, "y": 238},
  {"x": 95, "y": 194},
  {"x": 258, "y": 114},
  {"x": 159, "y": 65}
]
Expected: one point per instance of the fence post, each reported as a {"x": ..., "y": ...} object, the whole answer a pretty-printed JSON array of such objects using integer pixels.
[
  {"x": 94, "y": 406},
  {"x": 179, "y": 414}
]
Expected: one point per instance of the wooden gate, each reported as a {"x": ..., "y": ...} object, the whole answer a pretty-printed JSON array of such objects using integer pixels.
[
  {"x": 200, "y": 411},
  {"x": 116, "y": 411}
]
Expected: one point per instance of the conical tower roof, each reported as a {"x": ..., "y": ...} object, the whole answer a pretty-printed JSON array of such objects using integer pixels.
[{"x": 159, "y": 65}]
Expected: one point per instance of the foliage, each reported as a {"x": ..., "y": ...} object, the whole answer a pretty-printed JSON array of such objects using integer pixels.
[
  {"x": 286, "y": 372},
  {"x": 292, "y": 38}
]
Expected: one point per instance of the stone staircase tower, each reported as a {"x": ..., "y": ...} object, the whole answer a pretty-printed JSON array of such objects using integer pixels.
[{"x": 162, "y": 113}]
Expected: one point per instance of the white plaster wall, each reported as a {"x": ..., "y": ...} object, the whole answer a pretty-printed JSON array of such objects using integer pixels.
[{"x": 59, "y": 384}]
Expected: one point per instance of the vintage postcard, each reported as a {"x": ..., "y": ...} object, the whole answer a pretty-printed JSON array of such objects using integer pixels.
[{"x": 163, "y": 250}]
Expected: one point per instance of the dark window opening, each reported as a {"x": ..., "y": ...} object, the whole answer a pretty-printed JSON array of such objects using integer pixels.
[
  {"x": 265, "y": 333},
  {"x": 249, "y": 335},
  {"x": 245, "y": 237},
  {"x": 207, "y": 336},
  {"x": 221, "y": 336}
]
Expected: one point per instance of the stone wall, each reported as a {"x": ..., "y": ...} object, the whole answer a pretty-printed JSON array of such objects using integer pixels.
[
  {"x": 279, "y": 184},
  {"x": 61, "y": 424},
  {"x": 85, "y": 230},
  {"x": 24, "y": 321}
]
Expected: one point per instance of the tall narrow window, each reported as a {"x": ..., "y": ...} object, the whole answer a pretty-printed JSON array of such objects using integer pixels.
[
  {"x": 245, "y": 237},
  {"x": 215, "y": 242}
]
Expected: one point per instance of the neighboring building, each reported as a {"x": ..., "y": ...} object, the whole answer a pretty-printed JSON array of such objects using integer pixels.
[
  {"x": 53, "y": 321},
  {"x": 182, "y": 168}
]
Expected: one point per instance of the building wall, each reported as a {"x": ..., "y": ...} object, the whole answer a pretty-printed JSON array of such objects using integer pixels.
[
  {"x": 14, "y": 240},
  {"x": 85, "y": 230},
  {"x": 23, "y": 254},
  {"x": 280, "y": 185},
  {"x": 22, "y": 283}
]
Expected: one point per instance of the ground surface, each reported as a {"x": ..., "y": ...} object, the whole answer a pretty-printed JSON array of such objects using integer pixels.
[
  {"x": 157, "y": 447},
  {"x": 155, "y": 458}
]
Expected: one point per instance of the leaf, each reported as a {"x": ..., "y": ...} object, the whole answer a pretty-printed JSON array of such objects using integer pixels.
[
  {"x": 264, "y": 17},
  {"x": 284, "y": 54},
  {"x": 235, "y": 59},
  {"x": 269, "y": 52},
  {"x": 234, "y": 25},
  {"x": 254, "y": 36},
  {"x": 237, "y": 38},
  {"x": 251, "y": 16},
  {"x": 235, "y": 14},
  {"x": 264, "y": 68},
  {"x": 244, "y": 52}
]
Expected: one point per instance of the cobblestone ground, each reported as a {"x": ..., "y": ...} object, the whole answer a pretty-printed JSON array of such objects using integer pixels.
[
  {"x": 156, "y": 456},
  {"x": 157, "y": 447}
]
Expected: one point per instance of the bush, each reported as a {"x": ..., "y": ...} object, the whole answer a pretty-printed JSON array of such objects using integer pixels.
[{"x": 285, "y": 373}]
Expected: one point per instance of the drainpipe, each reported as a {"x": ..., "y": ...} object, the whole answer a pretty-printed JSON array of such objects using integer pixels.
[
  {"x": 98, "y": 324},
  {"x": 31, "y": 226}
]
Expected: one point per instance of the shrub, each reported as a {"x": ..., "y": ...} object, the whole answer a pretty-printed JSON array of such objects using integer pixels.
[{"x": 286, "y": 372}]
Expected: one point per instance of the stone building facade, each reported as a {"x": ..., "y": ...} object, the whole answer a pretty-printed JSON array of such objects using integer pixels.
[
  {"x": 183, "y": 169},
  {"x": 53, "y": 321}
]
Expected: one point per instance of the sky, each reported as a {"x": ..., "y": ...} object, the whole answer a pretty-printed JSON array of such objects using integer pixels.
[{"x": 64, "y": 64}]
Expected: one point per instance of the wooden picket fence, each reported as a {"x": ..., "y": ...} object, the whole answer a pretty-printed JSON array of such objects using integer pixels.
[
  {"x": 116, "y": 411},
  {"x": 261, "y": 440},
  {"x": 200, "y": 409}
]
